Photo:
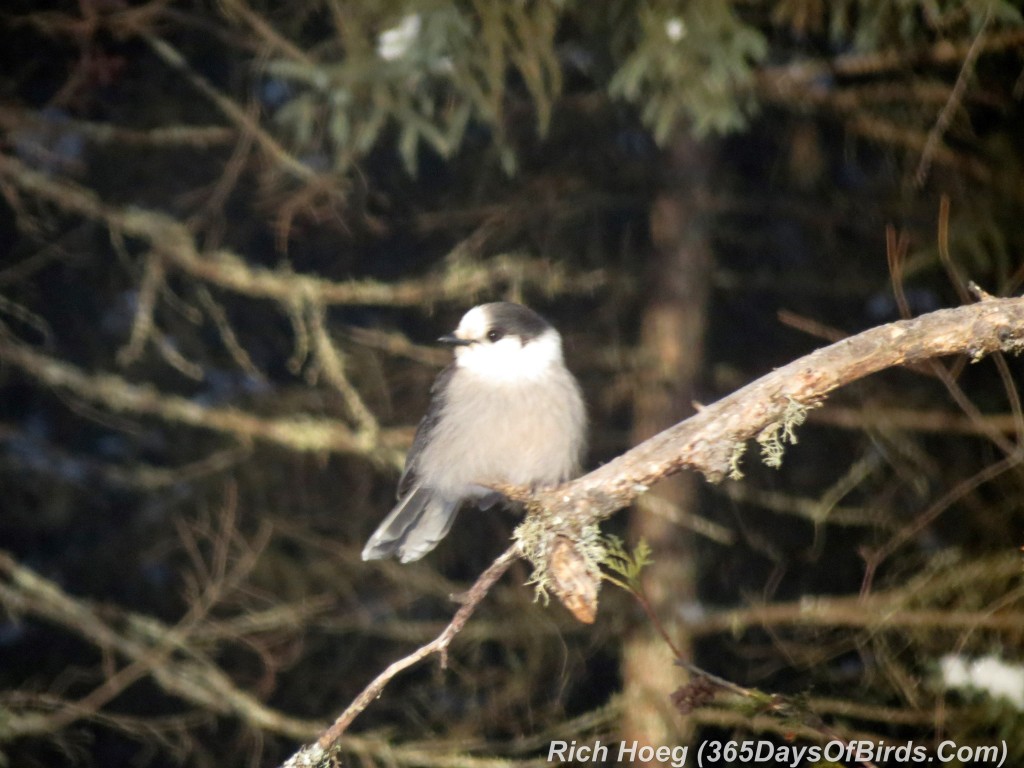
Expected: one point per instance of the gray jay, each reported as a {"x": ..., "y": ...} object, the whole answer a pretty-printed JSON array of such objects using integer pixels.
[{"x": 505, "y": 411}]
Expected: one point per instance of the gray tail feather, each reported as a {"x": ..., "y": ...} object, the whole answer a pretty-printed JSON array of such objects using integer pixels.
[{"x": 414, "y": 527}]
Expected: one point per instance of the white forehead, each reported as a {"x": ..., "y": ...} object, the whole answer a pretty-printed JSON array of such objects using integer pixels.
[{"x": 474, "y": 324}]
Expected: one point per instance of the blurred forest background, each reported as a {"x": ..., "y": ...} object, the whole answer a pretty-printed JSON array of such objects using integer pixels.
[{"x": 230, "y": 231}]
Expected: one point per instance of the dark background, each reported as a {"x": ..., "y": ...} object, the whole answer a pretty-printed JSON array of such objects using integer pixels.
[{"x": 528, "y": 143}]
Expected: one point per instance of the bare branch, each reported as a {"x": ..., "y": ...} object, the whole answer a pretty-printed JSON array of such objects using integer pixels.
[
  {"x": 783, "y": 82},
  {"x": 297, "y": 433},
  {"x": 710, "y": 440},
  {"x": 142, "y": 325},
  {"x": 236, "y": 114},
  {"x": 332, "y": 363},
  {"x": 945, "y": 118},
  {"x": 234, "y": 347},
  {"x": 271, "y": 39},
  {"x": 872, "y": 416},
  {"x": 82, "y": 470},
  {"x": 14, "y": 118},
  {"x": 316, "y": 754},
  {"x": 900, "y": 610},
  {"x": 176, "y": 244},
  {"x": 146, "y": 643},
  {"x": 705, "y": 441},
  {"x": 164, "y": 653}
]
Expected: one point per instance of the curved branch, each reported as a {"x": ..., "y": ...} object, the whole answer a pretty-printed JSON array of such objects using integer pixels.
[
  {"x": 175, "y": 244},
  {"x": 317, "y": 754},
  {"x": 949, "y": 109},
  {"x": 297, "y": 433},
  {"x": 707, "y": 441},
  {"x": 166, "y": 654},
  {"x": 712, "y": 440}
]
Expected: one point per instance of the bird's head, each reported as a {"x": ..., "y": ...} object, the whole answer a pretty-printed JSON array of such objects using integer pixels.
[{"x": 505, "y": 342}]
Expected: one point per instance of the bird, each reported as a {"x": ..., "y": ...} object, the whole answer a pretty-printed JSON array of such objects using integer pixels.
[{"x": 505, "y": 411}]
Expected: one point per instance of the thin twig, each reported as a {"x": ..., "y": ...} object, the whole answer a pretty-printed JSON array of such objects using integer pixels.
[
  {"x": 876, "y": 416},
  {"x": 915, "y": 526},
  {"x": 438, "y": 645},
  {"x": 236, "y": 114},
  {"x": 956, "y": 96},
  {"x": 332, "y": 364},
  {"x": 896, "y": 252}
]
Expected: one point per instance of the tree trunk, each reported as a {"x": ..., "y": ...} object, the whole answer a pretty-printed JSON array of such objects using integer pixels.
[{"x": 671, "y": 347}]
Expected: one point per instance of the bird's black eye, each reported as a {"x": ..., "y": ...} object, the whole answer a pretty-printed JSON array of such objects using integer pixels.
[{"x": 495, "y": 334}]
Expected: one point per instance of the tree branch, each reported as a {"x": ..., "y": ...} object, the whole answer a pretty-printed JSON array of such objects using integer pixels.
[
  {"x": 17, "y": 118},
  {"x": 161, "y": 651},
  {"x": 923, "y": 604},
  {"x": 318, "y": 754},
  {"x": 173, "y": 656},
  {"x": 783, "y": 82},
  {"x": 945, "y": 117},
  {"x": 708, "y": 442},
  {"x": 297, "y": 433},
  {"x": 175, "y": 244},
  {"x": 712, "y": 441}
]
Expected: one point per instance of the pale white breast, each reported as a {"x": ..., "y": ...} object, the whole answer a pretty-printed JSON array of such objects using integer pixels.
[{"x": 508, "y": 418}]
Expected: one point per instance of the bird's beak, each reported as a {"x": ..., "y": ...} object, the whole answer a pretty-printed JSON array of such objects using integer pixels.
[{"x": 454, "y": 341}]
